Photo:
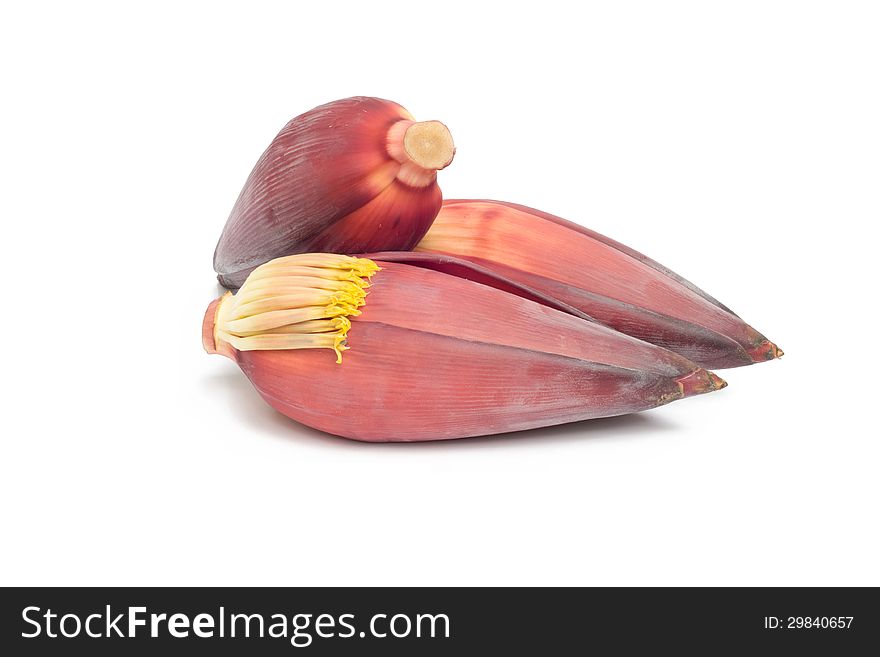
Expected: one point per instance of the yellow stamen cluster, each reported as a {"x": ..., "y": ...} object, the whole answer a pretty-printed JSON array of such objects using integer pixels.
[{"x": 296, "y": 302}]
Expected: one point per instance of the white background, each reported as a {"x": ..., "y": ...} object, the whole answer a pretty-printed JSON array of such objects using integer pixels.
[{"x": 737, "y": 143}]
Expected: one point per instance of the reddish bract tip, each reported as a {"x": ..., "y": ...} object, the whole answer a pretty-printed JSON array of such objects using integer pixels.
[
  {"x": 717, "y": 381},
  {"x": 699, "y": 382},
  {"x": 766, "y": 350}
]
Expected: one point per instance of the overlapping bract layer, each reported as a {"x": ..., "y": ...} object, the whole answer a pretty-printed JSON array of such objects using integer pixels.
[
  {"x": 435, "y": 356},
  {"x": 604, "y": 279},
  {"x": 351, "y": 176}
]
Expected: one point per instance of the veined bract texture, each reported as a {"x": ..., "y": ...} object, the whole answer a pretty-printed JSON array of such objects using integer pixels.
[
  {"x": 604, "y": 279},
  {"x": 390, "y": 351},
  {"x": 352, "y": 176}
]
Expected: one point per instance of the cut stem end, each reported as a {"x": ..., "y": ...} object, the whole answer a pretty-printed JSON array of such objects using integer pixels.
[{"x": 429, "y": 144}]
